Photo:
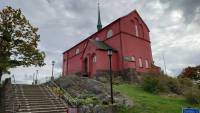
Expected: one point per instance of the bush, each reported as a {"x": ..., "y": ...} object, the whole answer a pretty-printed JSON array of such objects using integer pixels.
[
  {"x": 174, "y": 85},
  {"x": 151, "y": 84},
  {"x": 193, "y": 95},
  {"x": 185, "y": 82},
  {"x": 161, "y": 83}
]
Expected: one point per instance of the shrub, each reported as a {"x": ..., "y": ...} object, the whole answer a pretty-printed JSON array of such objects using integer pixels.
[
  {"x": 173, "y": 85},
  {"x": 192, "y": 95},
  {"x": 161, "y": 83},
  {"x": 150, "y": 84},
  {"x": 185, "y": 82}
]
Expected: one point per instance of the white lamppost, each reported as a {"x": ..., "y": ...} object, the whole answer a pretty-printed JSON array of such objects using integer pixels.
[{"x": 53, "y": 63}]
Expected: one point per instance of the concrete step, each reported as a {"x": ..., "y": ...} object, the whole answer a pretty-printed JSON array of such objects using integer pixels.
[
  {"x": 42, "y": 109},
  {"x": 47, "y": 111},
  {"x": 37, "y": 102},
  {"x": 35, "y": 99},
  {"x": 37, "y": 106},
  {"x": 34, "y": 96}
]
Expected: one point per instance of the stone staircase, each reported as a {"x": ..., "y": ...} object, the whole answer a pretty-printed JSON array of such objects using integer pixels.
[{"x": 33, "y": 99}]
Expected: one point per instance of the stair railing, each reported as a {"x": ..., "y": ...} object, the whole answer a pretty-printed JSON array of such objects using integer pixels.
[
  {"x": 66, "y": 96},
  {"x": 14, "y": 99}
]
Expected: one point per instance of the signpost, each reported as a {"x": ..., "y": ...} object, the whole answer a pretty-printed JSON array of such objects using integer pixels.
[{"x": 190, "y": 110}]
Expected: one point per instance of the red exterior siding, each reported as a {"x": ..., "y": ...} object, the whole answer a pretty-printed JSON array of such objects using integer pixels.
[{"x": 130, "y": 38}]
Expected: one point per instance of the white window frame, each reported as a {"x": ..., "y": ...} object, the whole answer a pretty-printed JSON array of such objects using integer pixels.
[
  {"x": 146, "y": 64},
  {"x": 132, "y": 58},
  {"x": 109, "y": 33},
  {"x": 94, "y": 59},
  {"x": 136, "y": 30},
  {"x": 140, "y": 62},
  {"x": 77, "y": 51},
  {"x": 97, "y": 38}
]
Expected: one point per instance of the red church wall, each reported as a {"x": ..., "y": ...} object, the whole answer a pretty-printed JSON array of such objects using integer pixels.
[
  {"x": 74, "y": 64},
  {"x": 89, "y": 53},
  {"x": 128, "y": 26},
  {"x": 103, "y": 61},
  {"x": 133, "y": 46},
  {"x": 72, "y": 51},
  {"x": 115, "y": 43}
]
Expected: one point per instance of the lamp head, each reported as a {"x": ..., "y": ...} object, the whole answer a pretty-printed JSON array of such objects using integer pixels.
[
  {"x": 53, "y": 62},
  {"x": 110, "y": 52}
]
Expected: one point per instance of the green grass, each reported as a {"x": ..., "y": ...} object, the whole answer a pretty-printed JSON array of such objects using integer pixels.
[{"x": 149, "y": 103}]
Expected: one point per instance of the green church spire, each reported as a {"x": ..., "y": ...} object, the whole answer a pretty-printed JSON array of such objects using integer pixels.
[{"x": 99, "y": 26}]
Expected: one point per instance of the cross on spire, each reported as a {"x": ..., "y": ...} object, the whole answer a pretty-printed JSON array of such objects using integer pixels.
[{"x": 99, "y": 25}]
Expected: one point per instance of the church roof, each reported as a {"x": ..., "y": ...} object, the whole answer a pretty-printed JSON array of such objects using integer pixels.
[{"x": 102, "y": 45}]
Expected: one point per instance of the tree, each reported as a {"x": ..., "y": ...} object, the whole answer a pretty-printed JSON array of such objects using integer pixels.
[
  {"x": 18, "y": 41},
  {"x": 191, "y": 72}
]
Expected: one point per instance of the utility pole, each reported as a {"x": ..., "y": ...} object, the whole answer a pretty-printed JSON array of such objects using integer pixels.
[{"x": 164, "y": 63}]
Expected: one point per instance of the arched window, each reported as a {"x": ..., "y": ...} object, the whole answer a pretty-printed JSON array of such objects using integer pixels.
[
  {"x": 97, "y": 39},
  {"x": 77, "y": 51},
  {"x": 109, "y": 33},
  {"x": 132, "y": 58},
  {"x": 140, "y": 62},
  {"x": 136, "y": 30},
  {"x": 146, "y": 64},
  {"x": 136, "y": 27},
  {"x": 94, "y": 59}
]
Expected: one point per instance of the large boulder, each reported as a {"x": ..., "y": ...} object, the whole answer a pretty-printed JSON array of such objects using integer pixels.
[{"x": 81, "y": 87}]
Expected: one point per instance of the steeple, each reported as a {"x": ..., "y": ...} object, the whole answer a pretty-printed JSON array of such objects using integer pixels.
[{"x": 99, "y": 26}]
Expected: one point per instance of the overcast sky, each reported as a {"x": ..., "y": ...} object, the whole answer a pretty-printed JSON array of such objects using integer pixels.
[{"x": 174, "y": 28}]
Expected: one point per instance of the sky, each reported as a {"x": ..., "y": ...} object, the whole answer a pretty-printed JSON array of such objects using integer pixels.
[{"x": 174, "y": 29}]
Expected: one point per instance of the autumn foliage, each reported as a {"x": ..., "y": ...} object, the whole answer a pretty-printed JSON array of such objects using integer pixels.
[
  {"x": 191, "y": 72},
  {"x": 19, "y": 41}
]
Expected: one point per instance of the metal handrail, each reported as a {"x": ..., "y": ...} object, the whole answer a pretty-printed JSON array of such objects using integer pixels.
[
  {"x": 14, "y": 99},
  {"x": 67, "y": 97}
]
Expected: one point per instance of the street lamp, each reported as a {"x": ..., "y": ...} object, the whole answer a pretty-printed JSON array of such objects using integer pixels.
[
  {"x": 33, "y": 79},
  {"x": 53, "y": 63},
  {"x": 36, "y": 77},
  {"x": 13, "y": 78},
  {"x": 111, "y": 87}
]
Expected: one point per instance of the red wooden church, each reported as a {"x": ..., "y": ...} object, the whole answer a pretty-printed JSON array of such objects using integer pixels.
[{"x": 127, "y": 36}]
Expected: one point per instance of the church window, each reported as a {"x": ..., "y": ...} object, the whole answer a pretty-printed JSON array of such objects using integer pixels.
[
  {"x": 77, "y": 51},
  {"x": 132, "y": 58},
  {"x": 140, "y": 62},
  {"x": 136, "y": 30},
  {"x": 109, "y": 33},
  {"x": 97, "y": 39},
  {"x": 146, "y": 64},
  {"x": 95, "y": 59}
]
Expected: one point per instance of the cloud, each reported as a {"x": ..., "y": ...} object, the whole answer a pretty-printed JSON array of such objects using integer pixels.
[
  {"x": 174, "y": 27},
  {"x": 190, "y": 8}
]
